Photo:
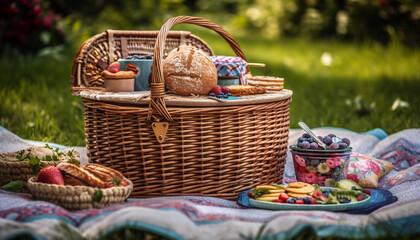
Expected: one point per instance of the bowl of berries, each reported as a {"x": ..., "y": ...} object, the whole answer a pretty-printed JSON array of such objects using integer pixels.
[{"x": 323, "y": 165}]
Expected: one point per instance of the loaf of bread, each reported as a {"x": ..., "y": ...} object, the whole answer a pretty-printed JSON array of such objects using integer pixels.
[
  {"x": 94, "y": 175},
  {"x": 188, "y": 70},
  {"x": 241, "y": 90}
]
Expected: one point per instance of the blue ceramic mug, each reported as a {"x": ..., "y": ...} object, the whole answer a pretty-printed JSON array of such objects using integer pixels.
[{"x": 141, "y": 82}]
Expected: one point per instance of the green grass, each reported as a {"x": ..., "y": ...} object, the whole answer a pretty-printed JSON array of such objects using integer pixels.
[{"x": 355, "y": 92}]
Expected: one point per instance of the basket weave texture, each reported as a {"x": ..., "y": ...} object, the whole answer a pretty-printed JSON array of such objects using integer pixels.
[
  {"x": 78, "y": 197},
  {"x": 11, "y": 169},
  {"x": 208, "y": 151}
]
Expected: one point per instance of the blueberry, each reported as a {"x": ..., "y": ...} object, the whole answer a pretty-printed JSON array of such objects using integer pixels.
[
  {"x": 220, "y": 95},
  {"x": 212, "y": 94},
  {"x": 334, "y": 146},
  {"x": 307, "y": 200},
  {"x": 225, "y": 95},
  {"x": 342, "y": 145},
  {"x": 327, "y": 140},
  {"x": 299, "y": 144},
  {"x": 290, "y": 200},
  {"x": 332, "y": 135},
  {"x": 305, "y": 145},
  {"x": 229, "y": 94},
  {"x": 149, "y": 57},
  {"x": 346, "y": 141},
  {"x": 301, "y": 139},
  {"x": 305, "y": 135},
  {"x": 326, "y": 192},
  {"x": 298, "y": 198},
  {"x": 310, "y": 140},
  {"x": 314, "y": 145}
]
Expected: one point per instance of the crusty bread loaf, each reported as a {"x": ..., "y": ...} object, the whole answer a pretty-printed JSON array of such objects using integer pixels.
[
  {"x": 241, "y": 90},
  {"x": 82, "y": 175},
  {"x": 70, "y": 180},
  {"x": 104, "y": 170},
  {"x": 188, "y": 70}
]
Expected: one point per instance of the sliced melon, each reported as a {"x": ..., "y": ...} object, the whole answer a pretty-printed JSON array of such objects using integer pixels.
[{"x": 347, "y": 184}]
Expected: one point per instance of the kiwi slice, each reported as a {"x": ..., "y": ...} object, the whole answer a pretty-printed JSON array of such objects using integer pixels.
[{"x": 347, "y": 184}]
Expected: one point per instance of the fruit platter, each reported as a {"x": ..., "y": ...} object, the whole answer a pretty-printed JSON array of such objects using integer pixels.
[{"x": 345, "y": 195}]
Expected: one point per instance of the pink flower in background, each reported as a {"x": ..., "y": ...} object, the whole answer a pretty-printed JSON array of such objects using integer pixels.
[
  {"x": 311, "y": 178},
  {"x": 321, "y": 180},
  {"x": 330, "y": 162},
  {"x": 366, "y": 166},
  {"x": 299, "y": 160}
]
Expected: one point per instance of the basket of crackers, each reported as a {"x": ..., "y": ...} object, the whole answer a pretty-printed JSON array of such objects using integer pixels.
[
  {"x": 187, "y": 135},
  {"x": 77, "y": 187}
]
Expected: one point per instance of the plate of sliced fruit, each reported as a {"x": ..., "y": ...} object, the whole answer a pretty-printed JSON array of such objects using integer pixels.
[{"x": 345, "y": 195}]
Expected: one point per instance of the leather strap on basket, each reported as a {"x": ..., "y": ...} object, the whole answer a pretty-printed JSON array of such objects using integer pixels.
[{"x": 157, "y": 104}]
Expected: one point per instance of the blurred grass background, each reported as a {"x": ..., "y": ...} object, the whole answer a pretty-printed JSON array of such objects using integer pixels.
[{"x": 342, "y": 79}]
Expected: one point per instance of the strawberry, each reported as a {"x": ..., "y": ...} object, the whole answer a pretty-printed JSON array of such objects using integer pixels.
[
  {"x": 279, "y": 201},
  {"x": 50, "y": 175},
  {"x": 299, "y": 201},
  {"x": 250, "y": 194},
  {"x": 225, "y": 90},
  {"x": 283, "y": 196},
  {"x": 216, "y": 90},
  {"x": 367, "y": 191},
  {"x": 114, "y": 67},
  {"x": 360, "y": 198},
  {"x": 313, "y": 201},
  {"x": 317, "y": 193},
  {"x": 323, "y": 198},
  {"x": 124, "y": 183}
]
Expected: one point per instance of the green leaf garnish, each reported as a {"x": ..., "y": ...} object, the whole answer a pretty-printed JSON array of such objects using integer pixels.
[
  {"x": 259, "y": 192},
  {"x": 74, "y": 162},
  {"x": 15, "y": 186},
  {"x": 34, "y": 161},
  {"x": 97, "y": 196},
  {"x": 277, "y": 185}
]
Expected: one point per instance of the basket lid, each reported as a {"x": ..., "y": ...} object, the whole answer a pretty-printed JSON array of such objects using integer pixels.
[{"x": 143, "y": 98}]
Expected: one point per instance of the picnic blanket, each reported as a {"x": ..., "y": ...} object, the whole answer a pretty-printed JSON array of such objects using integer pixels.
[{"x": 198, "y": 217}]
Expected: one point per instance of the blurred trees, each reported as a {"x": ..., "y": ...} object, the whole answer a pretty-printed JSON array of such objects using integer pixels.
[{"x": 31, "y": 25}]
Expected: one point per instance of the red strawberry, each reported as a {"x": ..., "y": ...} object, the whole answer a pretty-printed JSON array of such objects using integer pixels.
[
  {"x": 313, "y": 201},
  {"x": 367, "y": 191},
  {"x": 279, "y": 201},
  {"x": 283, "y": 196},
  {"x": 124, "y": 183},
  {"x": 216, "y": 90},
  {"x": 299, "y": 201},
  {"x": 114, "y": 67},
  {"x": 360, "y": 198},
  {"x": 323, "y": 198},
  {"x": 51, "y": 175},
  {"x": 250, "y": 194},
  {"x": 317, "y": 193},
  {"x": 225, "y": 90}
]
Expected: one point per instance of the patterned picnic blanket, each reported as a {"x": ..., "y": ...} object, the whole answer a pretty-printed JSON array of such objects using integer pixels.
[{"x": 214, "y": 218}]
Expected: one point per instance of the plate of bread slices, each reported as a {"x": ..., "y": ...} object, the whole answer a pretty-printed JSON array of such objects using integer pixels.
[{"x": 77, "y": 187}]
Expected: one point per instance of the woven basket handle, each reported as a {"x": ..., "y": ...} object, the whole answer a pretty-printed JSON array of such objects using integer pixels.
[{"x": 157, "y": 104}]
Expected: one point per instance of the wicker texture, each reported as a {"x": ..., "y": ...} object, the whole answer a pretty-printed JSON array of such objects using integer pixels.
[
  {"x": 77, "y": 197},
  {"x": 98, "y": 51},
  {"x": 209, "y": 151},
  {"x": 11, "y": 169}
]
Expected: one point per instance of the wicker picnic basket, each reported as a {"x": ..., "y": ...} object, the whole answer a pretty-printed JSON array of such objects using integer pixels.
[{"x": 216, "y": 150}]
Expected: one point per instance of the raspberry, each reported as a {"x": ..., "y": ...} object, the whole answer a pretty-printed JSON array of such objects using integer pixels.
[
  {"x": 216, "y": 90},
  {"x": 360, "y": 198},
  {"x": 225, "y": 90}
]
